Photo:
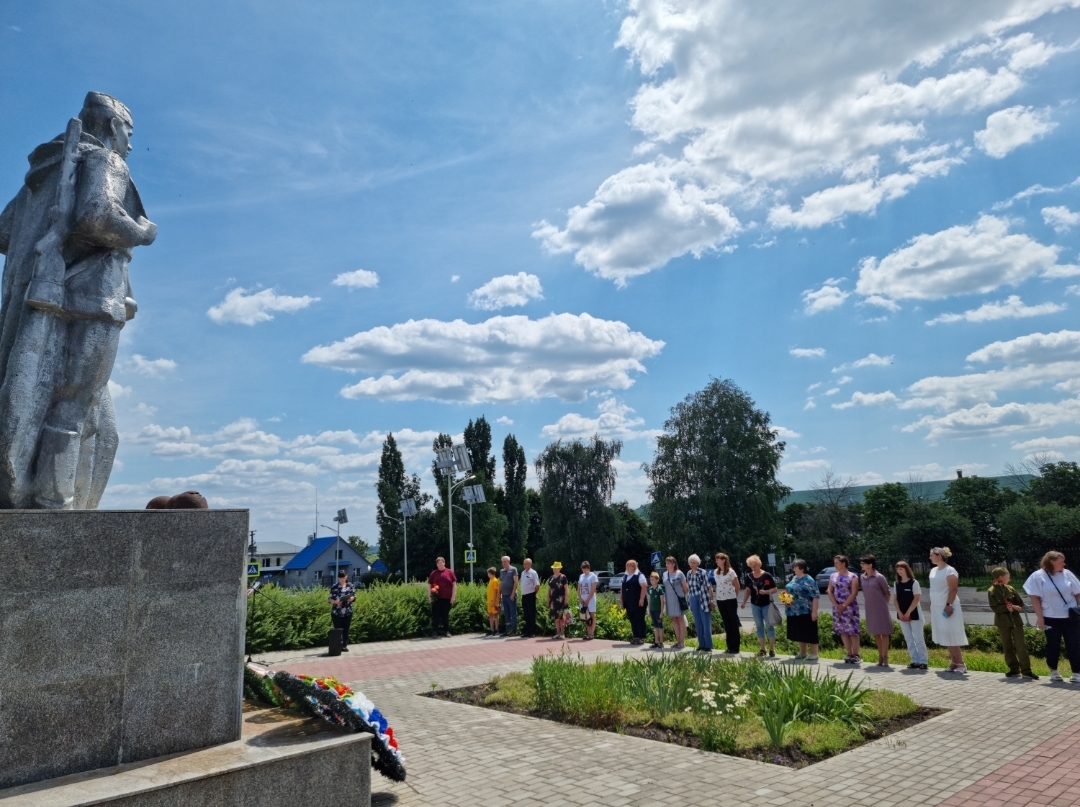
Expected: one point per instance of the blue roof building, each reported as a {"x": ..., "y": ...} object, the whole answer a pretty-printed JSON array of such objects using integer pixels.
[{"x": 316, "y": 564}]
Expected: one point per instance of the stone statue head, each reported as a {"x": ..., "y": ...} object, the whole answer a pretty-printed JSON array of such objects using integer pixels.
[{"x": 108, "y": 120}]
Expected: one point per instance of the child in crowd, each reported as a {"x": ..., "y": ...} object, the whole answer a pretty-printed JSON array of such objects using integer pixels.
[
  {"x": 656, "y": 610},
  {"x": 493, "y": 602},
  {"x": 1006, "y": 604}
]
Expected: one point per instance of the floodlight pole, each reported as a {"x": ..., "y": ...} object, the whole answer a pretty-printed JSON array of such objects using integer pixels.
[
  {"x": 471, "y": 563},
  {"x": 450, "y": 508}
]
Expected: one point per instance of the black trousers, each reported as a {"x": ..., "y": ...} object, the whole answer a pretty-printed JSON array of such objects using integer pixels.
[
  {"x": 342, "y": 622},
  {"x": 636, "y": 614},
  {"x": 528, "y": 610},
  {"x": 1056, "y": 630},
  {"x": 729, "y": 612},
  {"x": 440, "y": 616}
]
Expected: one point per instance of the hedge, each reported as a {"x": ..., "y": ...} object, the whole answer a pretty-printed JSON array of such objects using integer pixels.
[{"x": 294, "y": 619}]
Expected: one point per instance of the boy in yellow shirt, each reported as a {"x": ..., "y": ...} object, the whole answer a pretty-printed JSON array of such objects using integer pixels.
[{"x": 493, "y": 602}]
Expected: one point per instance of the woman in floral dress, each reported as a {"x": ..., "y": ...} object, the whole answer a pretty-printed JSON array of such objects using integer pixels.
[{"x": 843, "y": 589}]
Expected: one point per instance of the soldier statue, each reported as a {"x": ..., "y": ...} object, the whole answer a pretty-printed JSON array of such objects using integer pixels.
[{"x": 68, "y": 236}]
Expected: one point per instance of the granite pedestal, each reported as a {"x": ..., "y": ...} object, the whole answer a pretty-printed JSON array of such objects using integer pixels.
[{"x": 121, "y": 637}]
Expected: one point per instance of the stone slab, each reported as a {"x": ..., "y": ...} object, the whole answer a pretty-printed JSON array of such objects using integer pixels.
[
  {"x": 121, "y": 636},
  {"x": 281, "y": 760}
]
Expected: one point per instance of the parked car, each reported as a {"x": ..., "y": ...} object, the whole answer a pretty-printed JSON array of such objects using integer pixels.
[
  {"x": 615, "y": 582},
  {"x": 603, "y": 581},
  {"x": 822, "y": 578}
]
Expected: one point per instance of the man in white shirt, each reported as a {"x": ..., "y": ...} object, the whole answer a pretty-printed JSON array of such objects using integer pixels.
[
  {"x": 529, "y": 583},
  {"x": 1054, "y": 590},
  {"x": 586, "y": 588}
]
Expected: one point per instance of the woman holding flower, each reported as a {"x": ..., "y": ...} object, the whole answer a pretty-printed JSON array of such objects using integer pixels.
[{"x": 801, "y": 600}]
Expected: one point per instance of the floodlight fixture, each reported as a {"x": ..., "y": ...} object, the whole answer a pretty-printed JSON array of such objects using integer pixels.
[
  {"x": 474, "y": 494},
  {"x": 341, "y": 517},
  {"x": 461, "y": 458}
]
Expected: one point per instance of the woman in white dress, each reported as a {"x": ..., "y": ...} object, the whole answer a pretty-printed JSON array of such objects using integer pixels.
[{"x": 946, "y": 618}]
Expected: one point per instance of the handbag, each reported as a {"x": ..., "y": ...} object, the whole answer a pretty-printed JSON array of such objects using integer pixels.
[
  {"x": 1074, "y": 609},
  {"x": 773, "y": 617}
]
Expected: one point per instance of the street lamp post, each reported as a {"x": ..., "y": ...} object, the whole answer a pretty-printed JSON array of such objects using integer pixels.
[
  {"x": 474, "y": 494},
  {"x": 449, "y": 460},
  {"x": 407, "y": 508},
  {"x": 339, "y": 519}
]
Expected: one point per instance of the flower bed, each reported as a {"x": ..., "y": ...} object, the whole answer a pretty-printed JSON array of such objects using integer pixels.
[{"x": 773, "y": 713}]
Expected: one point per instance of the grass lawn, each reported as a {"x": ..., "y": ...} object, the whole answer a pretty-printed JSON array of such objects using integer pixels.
[
  {"x": 976, "y": 660},
  {"x": 786, "y": 715}
]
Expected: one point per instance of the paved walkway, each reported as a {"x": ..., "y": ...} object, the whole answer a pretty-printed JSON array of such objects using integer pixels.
[{"x": 1003, "y": 743}]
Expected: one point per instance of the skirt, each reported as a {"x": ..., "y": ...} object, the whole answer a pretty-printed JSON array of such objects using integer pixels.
[
  {"x": 948, "y": 631},
  {"x": 802, "y": 628}
]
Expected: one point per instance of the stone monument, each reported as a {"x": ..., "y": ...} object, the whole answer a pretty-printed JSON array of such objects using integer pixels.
[{"x": 68, "y": 236}]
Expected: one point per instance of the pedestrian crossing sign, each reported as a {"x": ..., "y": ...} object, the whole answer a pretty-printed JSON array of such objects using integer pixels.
[
  {"x": 254, "y": 569},
  {"x": 655, "y": 559},
  {"x": 470, "y": 556}
]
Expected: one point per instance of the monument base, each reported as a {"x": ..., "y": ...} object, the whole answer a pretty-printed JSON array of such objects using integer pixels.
[{"x": 280, "y": 760}]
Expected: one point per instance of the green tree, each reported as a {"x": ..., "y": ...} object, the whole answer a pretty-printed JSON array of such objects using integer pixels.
[
  {"x": 576, "y": 483},
  {"x": 1029, "y": 530},
  {"x": 362, "y": 546},
  {"x": 393, "y": 485},
  {"x": 713, "y": 478},
  {"x": 935, "y": 524},
  {"x": 981, "y": 501},
  {"x": 1057, "y": 483},
  {"x": 515, "y": 505},
  {"x": 478, "y": 443},
  {"x": 535, "y": 540},
  {"x": 884, "y": 507},
  {"x": 634, "y": 541}
]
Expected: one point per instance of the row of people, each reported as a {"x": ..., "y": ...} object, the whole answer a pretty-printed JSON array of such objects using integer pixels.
[{"x": 675, "y": 593}]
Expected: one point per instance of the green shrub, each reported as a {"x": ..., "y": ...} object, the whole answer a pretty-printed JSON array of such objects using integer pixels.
[{"x": 884, "y": 704}]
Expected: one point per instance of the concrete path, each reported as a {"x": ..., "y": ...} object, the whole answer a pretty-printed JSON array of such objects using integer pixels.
[{"x": 1003, "y": 742}]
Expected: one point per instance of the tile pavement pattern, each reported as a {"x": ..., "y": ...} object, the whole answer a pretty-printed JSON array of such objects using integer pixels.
[{"x": 987, "y": 751}]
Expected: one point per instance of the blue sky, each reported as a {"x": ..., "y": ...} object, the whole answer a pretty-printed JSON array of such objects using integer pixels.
[{"x": 566, "y": 216}]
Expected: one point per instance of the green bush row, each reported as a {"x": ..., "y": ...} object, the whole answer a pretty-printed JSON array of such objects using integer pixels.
[{"x": 293, "y": 619}]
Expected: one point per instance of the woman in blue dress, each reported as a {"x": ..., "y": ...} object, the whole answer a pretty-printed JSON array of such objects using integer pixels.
[{"x": 802, "y": 612}]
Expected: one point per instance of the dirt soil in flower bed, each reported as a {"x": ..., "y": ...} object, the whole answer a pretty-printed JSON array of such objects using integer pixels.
[{"x": 791, "y": 756}]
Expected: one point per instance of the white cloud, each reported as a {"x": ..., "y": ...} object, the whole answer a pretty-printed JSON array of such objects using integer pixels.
[
  {"x": 784, "y": 433},
  {"x": 1034, "y": 190},
  {"x": 866, "y": 399},
  {"x": 984, "y": 420},
  {"x": 118, "y": 390},
  {"x": 960, "y": 260},
  {"x": 358, "y": 279},
  {"x": 810, "y": 404},
  {"x": 801, "y": 466},
  {"x": 455, "y": 278},
  {"x": 846, "y": 379},
  {"x": 832, "y": 391},
  {"x": 829, "y": 296},
  {"x": 946, "y": 392},
  {"x": 732, "y": 127},
  {"x": 871, "y": 360},
  {"x": 1008, "y": 129},
  {"x": 505, "y": 421},
  {"x": 502, "y": 359},
  {"x": 154, "y": 368},
  {"x": 1012, "y": 308},
  {"x": 1060, "y": 218},
  {"x": 249, "y": 309},
  {"x": 506, "y": 291},
  {"x": 1038, "y": 348},
  {"x": 807, "y": 352},
  {"x": 814, "y": 386},
  {"x": 1048, "y": 444},
  {"x": 614, "y": 420},
  {"x": 638, "y": 220},
  {"x": 934, "y": 470}
]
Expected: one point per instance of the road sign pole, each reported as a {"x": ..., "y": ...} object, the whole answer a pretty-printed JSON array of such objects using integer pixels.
[{"x": 406, "y": 520}]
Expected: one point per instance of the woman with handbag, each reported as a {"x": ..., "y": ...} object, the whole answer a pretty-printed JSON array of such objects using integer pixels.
[
  {"x": 1055, "y": 596},
  {"x": 675, "y": 591},
  {"x": 758, "y": 588}
]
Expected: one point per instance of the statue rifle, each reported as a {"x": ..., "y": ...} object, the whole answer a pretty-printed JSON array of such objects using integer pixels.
[{"x": 46, "y": 289}]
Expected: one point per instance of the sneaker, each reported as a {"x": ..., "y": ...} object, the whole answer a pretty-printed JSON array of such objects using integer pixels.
[
  {"x": 772, "y": 654},
  {"x": 761, "y": 654},
  {"x": 1075, "y": 678},
  {"x": 798, "y": 657},
  {"x": 1055, "y": 677},
  {"x": 913, "y": 666},
  {"x": 811, "y": 659},
  {"x": 961, "y": 668},
  {"x": 703, "y": 650},
  {"x": 344, "y": 650},
  {"x": 1012, "y": 675},
  {"x": 856, "y": 659},
  {"x": 678, "y": 646},
  {"x": 1031, "y": 675}
]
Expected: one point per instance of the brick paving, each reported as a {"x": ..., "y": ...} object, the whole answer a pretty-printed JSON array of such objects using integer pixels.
[{"x": 1003, "y": 742}]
